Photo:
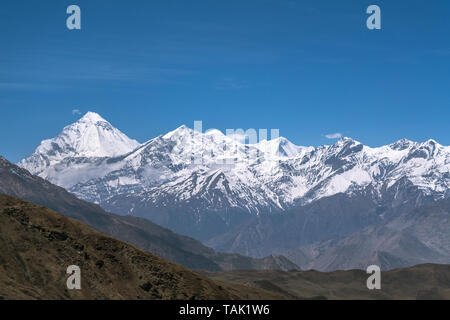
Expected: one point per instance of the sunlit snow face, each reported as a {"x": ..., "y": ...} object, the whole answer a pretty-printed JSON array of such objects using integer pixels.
[{"x": 92, "y": 158}]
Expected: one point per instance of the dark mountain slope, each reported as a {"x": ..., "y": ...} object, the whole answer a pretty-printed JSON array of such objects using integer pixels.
[
  {"x": 416, "y": 236},
  {"x": 18, "y": 182},
  {"x": 328, "y": 218},
  {"x": 345, "y": 232},
  {"x": 37, "y": 246}
]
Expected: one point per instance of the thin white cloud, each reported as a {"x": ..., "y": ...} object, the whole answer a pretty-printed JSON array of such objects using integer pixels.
[
  {"x": 238, "y": 137},
  {"x": 333, "y": 135},
  {"x": 76, "y": 112}
]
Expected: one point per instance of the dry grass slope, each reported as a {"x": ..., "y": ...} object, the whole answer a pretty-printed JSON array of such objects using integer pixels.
[
  {"x": 37, "y": 245},
  {"x": 421, "y": 282}
]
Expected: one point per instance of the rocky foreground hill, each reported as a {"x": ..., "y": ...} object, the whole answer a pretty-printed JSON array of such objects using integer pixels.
[{"x": 37, "y": 246}]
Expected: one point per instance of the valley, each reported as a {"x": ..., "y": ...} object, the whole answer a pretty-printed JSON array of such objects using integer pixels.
[
  {"x": 17, "y": 182},
  {"x": 258, "y": 200},
  {"x": 422, "y": 282},
  {"x": 38, "y": 244}
]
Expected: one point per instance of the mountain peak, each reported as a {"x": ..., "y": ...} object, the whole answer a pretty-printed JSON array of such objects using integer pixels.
[
  {"x": 281, "y": 140},
  {"x": 214, "y": 132},
  {"x": 92, "y": 117},
  {"x": 401, "y": 144},
  {"x": 432, "y": 142},
  {"x": 182, "y": 127},
  {"x": 180, "y": 131},
  {"x": 346, "y": 141},
  {"x": 93, "y": 136},
  {"x": 90, "y": 137},
  {"x": 280, "y": 147}
]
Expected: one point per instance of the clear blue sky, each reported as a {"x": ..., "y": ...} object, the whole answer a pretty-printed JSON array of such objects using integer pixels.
[{"x": 308, "y": 68}]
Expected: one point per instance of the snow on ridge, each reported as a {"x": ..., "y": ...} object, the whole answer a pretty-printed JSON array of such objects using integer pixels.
[
  {"x": 90, "y": 137},
  {"x": 96, "y": 161},
  {"x": 92, "y": 117}
]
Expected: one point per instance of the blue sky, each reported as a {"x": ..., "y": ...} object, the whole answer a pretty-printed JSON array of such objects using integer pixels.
[{"x": 308, "y": 68}]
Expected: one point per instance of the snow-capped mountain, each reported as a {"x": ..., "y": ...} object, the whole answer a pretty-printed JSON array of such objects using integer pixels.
[
  {"x": 348, "y": 166},
  {"x": 282, "y": 147},
  {"x": 203, "y": 183},
  {"x": 90, "y": 137}
]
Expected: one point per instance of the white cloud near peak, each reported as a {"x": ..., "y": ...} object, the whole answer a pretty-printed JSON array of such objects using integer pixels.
[{"x": 333, "y": 135}]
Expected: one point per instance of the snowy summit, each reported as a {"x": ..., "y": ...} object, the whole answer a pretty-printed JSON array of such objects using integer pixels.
[
  {"x": 100, "y": 164},
  {"x": 91, "y": 136}
]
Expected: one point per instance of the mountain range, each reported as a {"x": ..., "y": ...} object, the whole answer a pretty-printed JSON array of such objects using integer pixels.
[
  {"x": 39, "y": 244},
  {"x": 19, "y": 183},
  {"x": 265, "y": 198}
]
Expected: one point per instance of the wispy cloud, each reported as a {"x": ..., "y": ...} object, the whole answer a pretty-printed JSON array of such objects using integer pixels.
[
  {"x": 337, "y": 135},
  {"x": 76, "y": 112}
]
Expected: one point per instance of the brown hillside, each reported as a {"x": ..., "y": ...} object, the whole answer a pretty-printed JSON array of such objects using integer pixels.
[
  {"x": 37, "y": 245},
  {"x": 422, "y": 282}
]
